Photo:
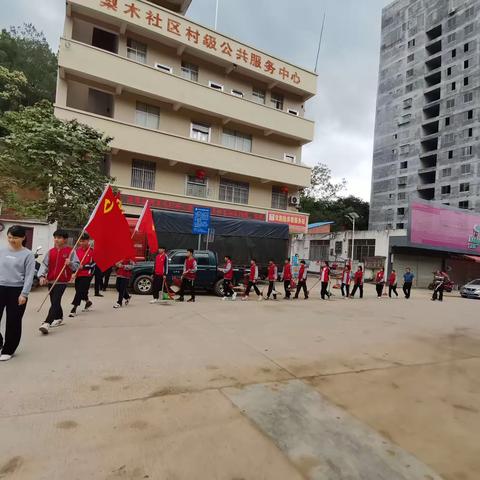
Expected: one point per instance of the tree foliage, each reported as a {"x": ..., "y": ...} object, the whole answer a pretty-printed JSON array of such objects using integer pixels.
[
  {"x": 322, "y": 185},
  {"x": 59, "y": 161},
  {"x": 12, "y": 85},
  {"x": 26, "y": 50}
]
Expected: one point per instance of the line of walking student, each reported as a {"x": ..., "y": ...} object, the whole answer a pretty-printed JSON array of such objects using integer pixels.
[{"x": 62, "y": 263}]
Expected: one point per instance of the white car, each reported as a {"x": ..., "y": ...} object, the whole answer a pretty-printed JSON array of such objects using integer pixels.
[{"x": 471, "y": 289}]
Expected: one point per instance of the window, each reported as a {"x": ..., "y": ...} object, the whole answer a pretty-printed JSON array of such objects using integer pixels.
[
  {"x": 410, "y": 58},
  {"x": 136, "y": 51},
  {"x": 453, "y": 85},
  {"x": 405, "y": 119},
  {"x": 447, "y": 121},
  {"x": 319, "y": 249},
  {"x": 147, "y": 115},
  {"x": 404, "y": 149},
  {"x": 469, "y": 29},
  {"x": 452, "y": 22},
  {"x": 410, "y": 73},
  {"x": 200, "y": 131},
  {"x": 446, "y": 203},
  {"x": 401, "y": 196},
  {"x": 467, "y": 151},
  {"x": 196, "y": 187},
  {"x": 164, "y": 68},
  {"x": 469, "y": 132},
  {"x": 362, "y": 248},
  {"x": 277, "y": 100},
  {"x": 407, "y": 103},
  {"x": 451, "y": 38},
  {"x": 466, "y": 47},
  {"x": 402, "y": 181},
  {"x": 400, "y": 226},
  {"x": 292, "y": 111},
  {"x": 449, "y": 71},
  {"x": 470, "y": 115},
  {"x": 465, "y": 168},
  {"x": 446, "y": 172},
  {"x": 465, "y": 81},
  {"x": 454, "y": 53},
  {"x": 463, "y": 204},
  {"x": 448, "y": 139},
  {"x": 233, "y": 192},
  {"x": 104, "y": 40},
  {"x": 290, "y": 157},
  {"x": 411, "y": 43},
  {"x": 467, "y": 97},
  {"x": 451, "y": 103},
  {"x": 237, "y": 140},
  {"x": 450, "y": 154},
  {"x": 215, "y": 86},
  {"x": 403, "y": 165},
  {"x": 445, "y": 190},
  {"x": 279, "y": 198},
  {"x": 258, "y": 95},
  {"x": 338, "y": 248},
  {"x": 464, "y": 187},
  {"x": 237, "y": 93},
  {"x": 189, "y": 71},
  {"x": 143, "y": 174},
  {"x": 401, "y": 211},
  {"x": 469, "y": 12},
  {"x": 395, "y": 136},
  {"x": 466, "y": 64}
]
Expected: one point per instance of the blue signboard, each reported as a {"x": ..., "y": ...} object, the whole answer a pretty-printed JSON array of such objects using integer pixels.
[{"x": 201, "y": 220}]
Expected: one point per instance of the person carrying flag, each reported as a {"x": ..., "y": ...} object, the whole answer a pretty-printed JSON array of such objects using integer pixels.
[
  {"x": 346, "y": 278},
  {"x": 160, "y": 273},
  {"x": 56, "y": 271},
  {"x": 392, "y": 284},
  {"x": 302, "y": 280},
  {"x": 83, "y": 276},
  {"x": 188, "y": 277},
  {"x": 252, "y": 280},
  {"x": 358, "y": 282},
  {"x": 227, "y": 279},
  {"x": 287, "y": 278},
  {"x": 272, "y": 277},
  {"x": 124, "y": 273},
  {"x": 324, "y": 279}
]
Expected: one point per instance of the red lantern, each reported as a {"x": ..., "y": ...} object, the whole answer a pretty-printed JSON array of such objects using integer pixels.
[
  {"x": 284, "y": 190},
  {"x": 200, "y": 174}
]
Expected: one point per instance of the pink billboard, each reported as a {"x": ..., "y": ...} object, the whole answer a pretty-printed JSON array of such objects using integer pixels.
[{"x": 444, "y": 228}]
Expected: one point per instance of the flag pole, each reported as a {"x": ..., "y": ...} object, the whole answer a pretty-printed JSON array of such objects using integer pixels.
[{"x": 140, "y": 218}]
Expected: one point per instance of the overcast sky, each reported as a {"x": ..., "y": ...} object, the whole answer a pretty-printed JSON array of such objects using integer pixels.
[{"x": 344, "y": 108}]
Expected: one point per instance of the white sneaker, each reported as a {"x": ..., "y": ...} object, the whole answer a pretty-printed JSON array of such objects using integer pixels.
[
  {"x": 234, "y": 296},
  {"x": 244, "y": 298},
  {"x": 72, "y": 314},
  {"x": 117, "y": 305},
  {"x": 44, "y": 328},
  {"x": 155, "y": 300},
  {"x": 224, "y": 298},
  {"x": 260, "y": 298},
  {"x": 57, "y": 323},
  {"x": 5, "y": 357}
]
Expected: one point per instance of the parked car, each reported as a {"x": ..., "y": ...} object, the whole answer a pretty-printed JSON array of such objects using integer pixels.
[
  {"x": 209, "y": 277},
  {"x": 471, "y": 289}
]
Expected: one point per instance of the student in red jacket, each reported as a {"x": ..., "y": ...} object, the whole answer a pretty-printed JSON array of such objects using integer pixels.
[
  {"x": 358, "y": 282},
  {"x": 252, "y": 280},
  {"x": 160, "y": 272},
  {"x": 392, "y": 284},
  {"x": 345, "y": 287},
  {"x": 272, "y": 278},
  {"x": 324, "y": 279},
  {"x": 124, "y": 273},
  {"x": 302, "y": 280},
  {"x": 58, "y": 264},
  {"x": 379, "y": 282},
  {"x": 228, "y": 292},
  {"x": 84, "y": 274},
  {"x": 287, "y": 278},
  {"x": 188, "y": 277}
]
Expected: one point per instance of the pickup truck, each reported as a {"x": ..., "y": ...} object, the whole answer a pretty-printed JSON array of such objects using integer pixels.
[{"x": 209, "y": 277}]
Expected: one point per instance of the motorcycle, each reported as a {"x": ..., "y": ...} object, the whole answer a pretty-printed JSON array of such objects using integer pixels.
[{"x": 36, "y": 280}]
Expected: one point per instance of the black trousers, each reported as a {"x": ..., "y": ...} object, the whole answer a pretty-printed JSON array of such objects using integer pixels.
[
  {"x": 286, "y": 286},
  {"x": 13, "y": 327},
  {"x": 56, "y": 311},
  {"x": 379, "y": 287},
  {"x": 392, "y": 288},
  {"x": 345, "y": 289},
  {"x": 82, "y": 284},
  {"x": 122, "y": 289},
  {"x": 438, "y": 292},
  {"x": 227, "y": 288},
  {"x": 187, "y": 285},
  {"x": 158, "y": 285},
  {"x": 407, "y": 287},
  {"x": 98, "y": 280},
  {"x": 250, "y": 286},
  {"x": 360, "y": 288},
  {"x": 302, "y": 284},
  {"x": 271, "y": 288},
  {"x": 106, "y": 277},
  {"x": 324, "y": 290}
]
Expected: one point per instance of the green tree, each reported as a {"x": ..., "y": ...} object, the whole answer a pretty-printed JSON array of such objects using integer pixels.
[
  {"x": 322, "y": 185},
  {"x": 26, "y": 50},
  {"x": 12, "y": 85},
  {"x": 59, "y": 161}
]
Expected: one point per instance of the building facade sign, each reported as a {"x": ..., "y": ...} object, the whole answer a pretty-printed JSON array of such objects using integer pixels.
[{"x": 297, "y": 222}]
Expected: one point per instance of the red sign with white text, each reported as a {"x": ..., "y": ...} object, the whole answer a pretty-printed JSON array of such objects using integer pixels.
[{"x": 297, "y": 222}]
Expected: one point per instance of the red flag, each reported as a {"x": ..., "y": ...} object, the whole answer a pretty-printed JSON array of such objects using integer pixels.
[
  {"x": 145, "y": 225},
  {"x": 109, "y": 229}
]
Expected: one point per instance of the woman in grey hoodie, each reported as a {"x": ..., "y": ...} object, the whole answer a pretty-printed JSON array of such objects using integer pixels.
[{"x": 17, "y": 268}]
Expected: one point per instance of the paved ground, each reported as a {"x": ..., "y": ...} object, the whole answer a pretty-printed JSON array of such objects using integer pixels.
[{"x": 336, "y": 390}]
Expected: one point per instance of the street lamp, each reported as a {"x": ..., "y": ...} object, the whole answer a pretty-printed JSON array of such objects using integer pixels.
[{"x": 352, "y": 216}]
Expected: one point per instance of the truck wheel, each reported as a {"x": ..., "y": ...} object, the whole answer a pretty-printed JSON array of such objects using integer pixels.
[
  {"x": 218, "y": 288},
  {"x": 143, "y": 285}
]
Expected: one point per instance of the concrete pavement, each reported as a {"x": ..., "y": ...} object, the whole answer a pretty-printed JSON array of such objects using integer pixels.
[{"x": 148, "y": 391}]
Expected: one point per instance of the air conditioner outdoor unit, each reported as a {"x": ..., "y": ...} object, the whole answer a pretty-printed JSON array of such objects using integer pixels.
[{"x": 294, "y": 200}]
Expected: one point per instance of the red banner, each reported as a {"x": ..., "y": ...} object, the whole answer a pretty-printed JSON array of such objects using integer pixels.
[{"x": 298, "y": 222}]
